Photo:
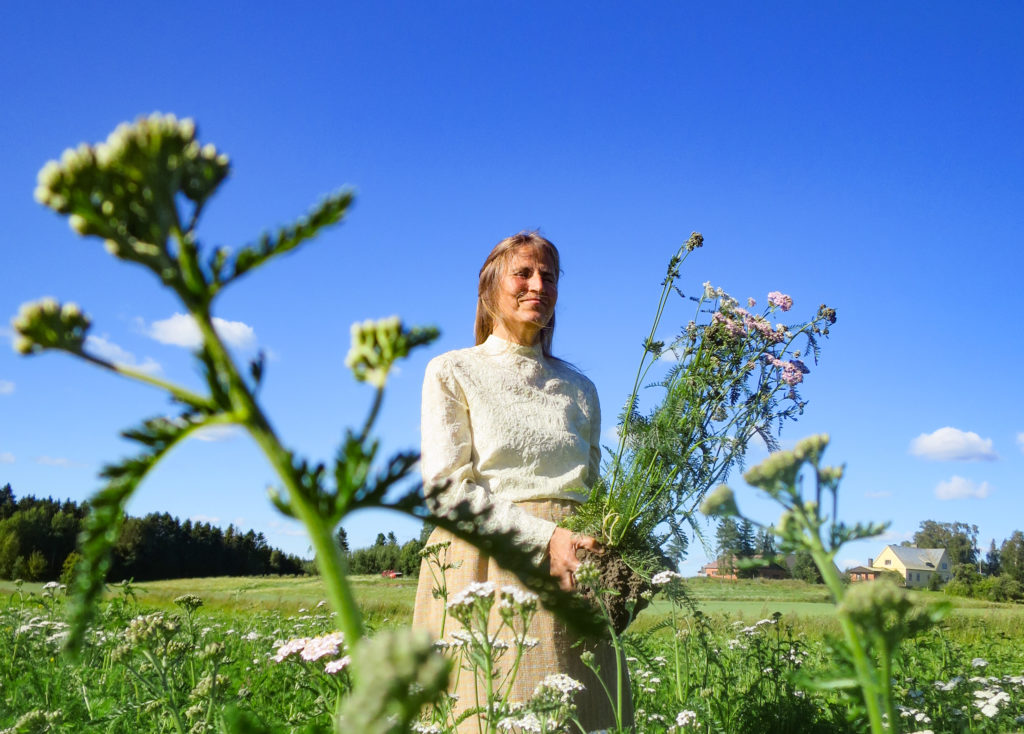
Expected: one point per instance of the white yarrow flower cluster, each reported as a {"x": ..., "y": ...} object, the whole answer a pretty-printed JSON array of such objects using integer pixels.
[
  {"x": 322, "y": 647},
  {"x": 334, "y": 667},
  {"x": 565, "y": 686},
  {"x": 528, "y": 722},
  {"x": 514, "y": 596},
  {"x": 468, "y": 596},
  {"x": 664, "y": 577},
  {"x": 990, "y": 700},
  {"x": 685, "y": 719}
]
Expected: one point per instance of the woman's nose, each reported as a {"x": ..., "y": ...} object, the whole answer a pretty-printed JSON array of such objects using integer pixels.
[{"x": 536, "y": 283}]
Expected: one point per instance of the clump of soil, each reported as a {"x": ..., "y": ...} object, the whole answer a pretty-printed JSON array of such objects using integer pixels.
[{"x": 630, "y": 587}]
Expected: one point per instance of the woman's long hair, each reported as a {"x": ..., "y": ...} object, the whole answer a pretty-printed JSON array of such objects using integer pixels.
[{"x": 487, "y": 311}]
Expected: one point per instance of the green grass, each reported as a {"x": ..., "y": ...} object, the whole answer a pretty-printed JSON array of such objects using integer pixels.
[
  {"x": 382, "y": 600},
  {"x": 721, "y": 651}
]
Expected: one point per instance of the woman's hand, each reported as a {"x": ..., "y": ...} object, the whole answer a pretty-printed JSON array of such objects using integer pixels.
[{"x": 562, "y": 550}]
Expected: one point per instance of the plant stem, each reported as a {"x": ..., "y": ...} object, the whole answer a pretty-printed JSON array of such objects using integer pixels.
[
  {"x": 328, "y": 555},
  {"x": 869, "y": 683}
]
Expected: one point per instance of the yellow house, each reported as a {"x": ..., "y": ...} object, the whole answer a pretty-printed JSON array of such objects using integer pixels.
[{"x": 915, "y": 565}]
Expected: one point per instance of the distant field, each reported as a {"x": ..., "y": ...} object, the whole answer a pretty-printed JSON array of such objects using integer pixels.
[{"x": 390, "y": 601}]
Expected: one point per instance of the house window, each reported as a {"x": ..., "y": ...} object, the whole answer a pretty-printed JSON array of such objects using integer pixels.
[
  {"x": 943, "y": 564},
  {"x": 888, "y": 562}
]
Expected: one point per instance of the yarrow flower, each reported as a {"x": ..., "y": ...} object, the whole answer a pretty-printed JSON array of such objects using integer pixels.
[
  {"x": 514, "y": 595},
  {"x": 322, "y": 647},
  {"x": 777, "y": 298},
  {"x": 560, "y": 683},
  {"x": 468, "y": 596},
  {"x": 336, "y": 666},
  {"x": 793, "y": 371},
  {"x": 685, "y": 719},
  {"x": 664, "y": 577}
]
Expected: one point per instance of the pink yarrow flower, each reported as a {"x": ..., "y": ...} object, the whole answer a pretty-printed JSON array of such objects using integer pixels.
[{"x": 780, "y": 299}]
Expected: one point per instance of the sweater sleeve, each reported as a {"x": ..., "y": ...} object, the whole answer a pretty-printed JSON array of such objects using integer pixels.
[
  {"x": 594, "y": 467},
  {"x": 447, "y": 455}
]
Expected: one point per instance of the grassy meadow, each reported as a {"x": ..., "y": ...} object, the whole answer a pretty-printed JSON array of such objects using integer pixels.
[{"x": 205, "y": 655}]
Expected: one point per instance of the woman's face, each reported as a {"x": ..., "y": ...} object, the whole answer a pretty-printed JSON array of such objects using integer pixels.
[{"x": 527, "y": 293}]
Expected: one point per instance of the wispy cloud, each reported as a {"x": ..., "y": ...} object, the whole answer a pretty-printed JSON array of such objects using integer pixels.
[
  {"x": 6, "y": 457},
  {"x": 849, "y": 563},
  {"x": 290, "y": 530},
  {"x": 6, "y": 387},
  {"x": 57, "y": 461},
  {"x": 1020, "y": 441},
  {"x": 895, "y": 537},
  {"x": 108, "y": 350},
  {"x": 211, "y": 520},
  {"x": 180, "y": 330},
  {"x": 878, "y": 494},
  {"x": 216, "y": 433},
  {"x": 956, "y": 488},
  {"x": 952, "y": 444}
]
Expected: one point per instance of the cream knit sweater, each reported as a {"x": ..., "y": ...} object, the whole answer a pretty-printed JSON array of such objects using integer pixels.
[{"x": 505, "y": 424}]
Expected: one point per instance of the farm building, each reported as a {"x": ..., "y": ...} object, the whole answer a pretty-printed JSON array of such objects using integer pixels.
[
  {"x": 916, "y": 565},
  {"x": 862, "y": 573},
  {"x": 725, "y": 568}
]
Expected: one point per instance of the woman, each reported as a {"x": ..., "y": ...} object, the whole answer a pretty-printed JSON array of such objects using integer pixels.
[{"x": 510, "y": 426}]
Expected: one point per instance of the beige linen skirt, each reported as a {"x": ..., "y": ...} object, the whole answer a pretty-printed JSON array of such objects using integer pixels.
[{"x": 555, "y": 652}]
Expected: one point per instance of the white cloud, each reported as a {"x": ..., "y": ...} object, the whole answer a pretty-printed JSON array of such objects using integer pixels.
[
  {"x": 952, "y": 444},
  {"x": 957, "y": 488},
  {"x": 180, "y": 330},
  {"x": 6, "y": 457},
  {"x": 6, "y": 387},
  {"x": 879, "y": 494},
  {"x": 54, "y": 461},
  {"x": 895, "y": 537},
  {"x": 1020, "y": 441},
  {"x": 216, "y": 433},
  {"x": 205, "y": 518},
  {"x": 290, "y": 530},
  {"x": 108, "y": 350}
]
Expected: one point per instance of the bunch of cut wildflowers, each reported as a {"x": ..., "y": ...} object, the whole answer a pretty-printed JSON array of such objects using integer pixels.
[
  {"x": 732, "y": 376},
  {"x": 875, "y": 617}
]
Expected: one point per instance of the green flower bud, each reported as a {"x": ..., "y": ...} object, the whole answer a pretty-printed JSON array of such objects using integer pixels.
[
  {"x": 399, "y": 672},
  {"x": 376, "y": 345},
  {"x": 45, "y": 324},
  {"x": 811, "y": 448},
  {"x": 776, "y": 472},
  {"x": 720, "y": 503}
]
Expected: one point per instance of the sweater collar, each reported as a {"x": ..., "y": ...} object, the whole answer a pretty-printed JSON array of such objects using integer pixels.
[{"x": 494, "y": 344}]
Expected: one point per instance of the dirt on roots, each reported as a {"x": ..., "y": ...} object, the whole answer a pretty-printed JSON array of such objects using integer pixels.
[{"x": 629, "y": 587}]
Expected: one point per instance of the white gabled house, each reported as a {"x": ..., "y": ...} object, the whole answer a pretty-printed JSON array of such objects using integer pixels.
[{"x": 915, "y": 565}]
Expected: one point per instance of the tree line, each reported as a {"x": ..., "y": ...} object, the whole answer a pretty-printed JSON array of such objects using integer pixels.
[
  {"x": 385, "y": 554},
  {"x": 38, "y": 538},
  {"x": 997, "y": 575},
  {"x": 743, "y": 552}
]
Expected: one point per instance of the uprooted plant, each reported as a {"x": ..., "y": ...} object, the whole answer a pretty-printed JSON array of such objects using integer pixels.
[
  {"x": 142, "y": 193},
  {"x": 732, "y": 375}
]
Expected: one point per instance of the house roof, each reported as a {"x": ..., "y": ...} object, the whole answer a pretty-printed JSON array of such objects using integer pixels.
[
  {"x": 861, "y": 569},
  {"x": 918, "y": 559}
]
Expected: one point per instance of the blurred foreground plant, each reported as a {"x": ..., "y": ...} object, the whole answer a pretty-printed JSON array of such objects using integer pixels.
[
  {"x": 875, "y": 616},
  {"x": 142, "y": 192}
]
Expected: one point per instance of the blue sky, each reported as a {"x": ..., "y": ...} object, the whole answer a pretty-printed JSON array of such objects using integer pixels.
[{"x": 864, "y": 155}]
